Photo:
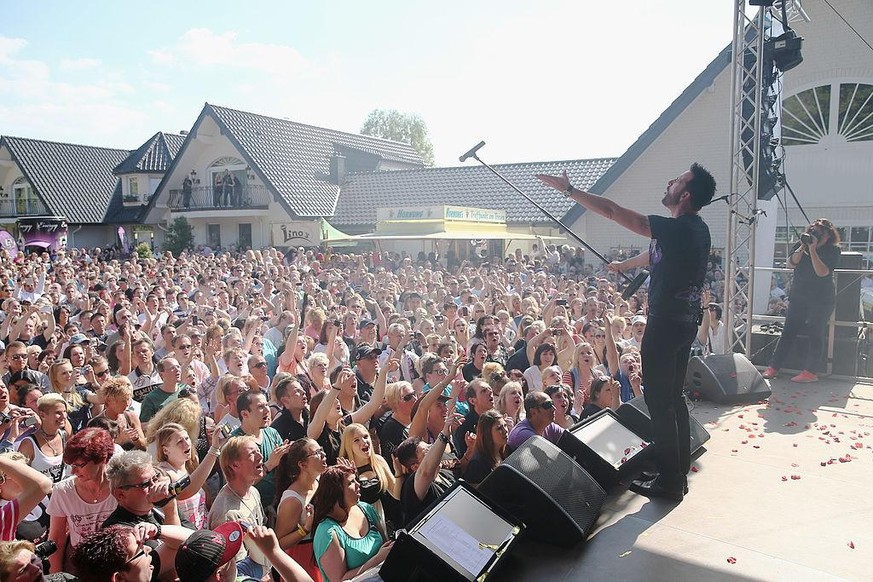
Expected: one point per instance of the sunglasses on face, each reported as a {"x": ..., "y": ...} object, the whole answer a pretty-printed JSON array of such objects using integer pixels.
[
  {"x": 102, "y": 373},
  {"x": 144, "y": 485},
  {"x": 410, "y": 397}
]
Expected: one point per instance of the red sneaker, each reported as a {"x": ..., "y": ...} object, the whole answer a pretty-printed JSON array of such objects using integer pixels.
[
  {"x": 770, "y": 372},
  {"x": 805, "y": 377}
]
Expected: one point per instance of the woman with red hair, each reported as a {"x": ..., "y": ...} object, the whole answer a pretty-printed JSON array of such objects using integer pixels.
[
  {"x": 349, "y": 538},
  {"x": 80, "y": 503}
]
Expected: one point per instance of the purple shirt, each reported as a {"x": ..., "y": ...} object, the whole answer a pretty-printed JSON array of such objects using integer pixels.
[{"x": 523, "y": 431}]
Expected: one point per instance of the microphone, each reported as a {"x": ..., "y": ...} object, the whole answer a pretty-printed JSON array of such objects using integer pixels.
[
  {"x": 635, "y": 284},
  {"x": 472, "y": 152}
]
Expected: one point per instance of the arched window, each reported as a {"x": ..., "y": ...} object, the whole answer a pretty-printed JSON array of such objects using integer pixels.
[{"x": 810, "y": 115}]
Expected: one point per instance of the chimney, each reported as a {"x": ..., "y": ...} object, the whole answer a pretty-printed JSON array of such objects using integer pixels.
[{"x": 337, "y": 169}]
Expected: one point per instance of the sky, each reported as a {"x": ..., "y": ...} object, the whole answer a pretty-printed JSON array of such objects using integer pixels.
[{"x": 538, "y": 81}]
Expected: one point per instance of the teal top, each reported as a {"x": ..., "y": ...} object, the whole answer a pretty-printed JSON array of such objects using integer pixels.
[
  {"x": 460, "y": 407},
  {"x": 358, "y": 550}
]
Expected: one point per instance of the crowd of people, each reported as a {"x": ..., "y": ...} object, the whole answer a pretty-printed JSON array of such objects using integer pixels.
[{"x": 284, "y": 413}]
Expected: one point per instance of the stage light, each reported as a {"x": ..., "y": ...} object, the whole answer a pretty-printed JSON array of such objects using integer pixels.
[
  {"x": 766, "y": 3},
  {"x": 786, "y": 50}
]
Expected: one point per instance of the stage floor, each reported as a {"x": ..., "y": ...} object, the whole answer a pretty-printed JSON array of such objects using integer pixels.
[{"x": 770, "y": 499}]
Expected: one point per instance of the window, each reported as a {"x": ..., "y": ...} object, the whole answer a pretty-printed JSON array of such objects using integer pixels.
[
  {"x": 856, "y": 112},
  {"x": 26, "y": 201},
  {"x": 213, "y": 235},
  {"x": 245, "y": 236},
  {"x": 132, "y": 186},
  {"x": 807, "y": 116}
]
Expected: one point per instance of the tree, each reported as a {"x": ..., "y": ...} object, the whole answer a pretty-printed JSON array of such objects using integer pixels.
[
  {"x": 406, "y": 127},
  {"x": 180, "y": 236}
]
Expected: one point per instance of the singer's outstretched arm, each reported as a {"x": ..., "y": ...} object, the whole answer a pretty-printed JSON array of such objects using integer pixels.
[{"x": 630, "y": 219}]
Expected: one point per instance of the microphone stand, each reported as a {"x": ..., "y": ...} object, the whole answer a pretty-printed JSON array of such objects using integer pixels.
[{"x": 632, "y": 284}]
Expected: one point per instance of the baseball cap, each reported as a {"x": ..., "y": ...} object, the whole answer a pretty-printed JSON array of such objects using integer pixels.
[
  {"x": 79, "y": 338},
  {"x": 365, "y": 322},
  {"x": 364, "y": 350},
  {"x": 207, "y": 550},
  {"x": 638, "y": 319}
]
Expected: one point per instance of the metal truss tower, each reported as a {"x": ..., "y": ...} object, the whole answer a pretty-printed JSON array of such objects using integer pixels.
[{"x": 747, "y": 56}]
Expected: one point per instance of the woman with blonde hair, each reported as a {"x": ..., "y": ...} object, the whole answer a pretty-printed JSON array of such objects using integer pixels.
[
  {"x": 177, "y": 455},
  {"x": 62, "y": 378},
  {"x": 118, "y": 393},
  {"x": 374, "y": 474},
  {"x": 226, "y": 392},
  {"x": 509, "y": 403}
]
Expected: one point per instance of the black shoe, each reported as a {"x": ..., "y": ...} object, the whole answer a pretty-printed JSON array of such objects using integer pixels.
[
  {"x": 648, "y": 476},
  {"x": 653, "y": 488}
]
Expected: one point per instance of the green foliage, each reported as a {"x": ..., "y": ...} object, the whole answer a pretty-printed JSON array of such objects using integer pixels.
[
  {"x": 404, "y": 127},
  {"x": 143, "y": 250},
  {"x": 180, "y": 236}
]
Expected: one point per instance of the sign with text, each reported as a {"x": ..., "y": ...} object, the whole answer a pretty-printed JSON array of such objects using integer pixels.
[
  {"x": 296, "y": 234},
  {"x": 442, "y": 213}
]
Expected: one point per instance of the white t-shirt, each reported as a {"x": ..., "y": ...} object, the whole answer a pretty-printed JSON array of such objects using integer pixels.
[
  {"x": 716, "y": 338},
  {"x": 82, "y": 518}
]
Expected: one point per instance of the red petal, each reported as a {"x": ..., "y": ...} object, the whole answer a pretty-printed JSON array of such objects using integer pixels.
[
  {"x": 731, "y": 560},
  {"x": 851, "y": 545},
  {"x": 694, "y": 469},
  {"x": 784, "y": 478}
]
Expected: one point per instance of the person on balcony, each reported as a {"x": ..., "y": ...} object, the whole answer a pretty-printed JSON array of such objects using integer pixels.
[
  {"x": 217, "y": 188},
  {"x": 227, "y": 182},
  {"x": 237, "y": 190},
  {"x": 186, "y": 192}
]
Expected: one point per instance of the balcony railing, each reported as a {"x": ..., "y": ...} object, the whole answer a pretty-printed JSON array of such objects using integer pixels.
[
  {"x": 209, "y": 198},
  {"x": 11, "y": 207}
]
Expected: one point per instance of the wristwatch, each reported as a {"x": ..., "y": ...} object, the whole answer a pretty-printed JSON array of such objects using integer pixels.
[{"x": 444, "y": 438}]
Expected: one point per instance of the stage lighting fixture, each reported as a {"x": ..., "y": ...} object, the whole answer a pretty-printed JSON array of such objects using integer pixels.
[
  {"x": 766, "y": 3},
  {"x": 786, "y": 50}
]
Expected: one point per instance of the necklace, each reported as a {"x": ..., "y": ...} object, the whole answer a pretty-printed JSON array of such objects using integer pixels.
[
  {"x": 48, "y": 441},
  {"x": 252, "y": 512}
]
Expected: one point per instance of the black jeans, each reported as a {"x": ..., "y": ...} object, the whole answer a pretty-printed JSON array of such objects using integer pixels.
[
  {"x": 809, "y": 314},
  {"x": 665, "y": 350}
]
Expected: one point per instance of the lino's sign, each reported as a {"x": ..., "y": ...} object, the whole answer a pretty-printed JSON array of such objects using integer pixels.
[{"x": 296, "y": 234}]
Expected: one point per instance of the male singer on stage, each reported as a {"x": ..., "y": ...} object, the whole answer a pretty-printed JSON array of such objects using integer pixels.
[{"x": 677, "y": 256}]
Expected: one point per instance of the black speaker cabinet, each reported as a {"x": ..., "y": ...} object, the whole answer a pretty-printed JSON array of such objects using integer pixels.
[
  {"x": 605, "y": 447},
  {"x": 726, "y": 379},
  {"x": 556, "y": 499},
  {"x": 461, "y": 537},
  {"x": 848, "y": 293},
  {"x": 635, "y": 415}
]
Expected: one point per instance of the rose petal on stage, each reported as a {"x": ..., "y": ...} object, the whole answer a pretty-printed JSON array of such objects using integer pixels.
[
  {"x": 784, "y": 478},
  {"x": 694, "y": 469},
  {"x": 794, "y": 465},
  {"x": 851, "y": 545},
  {"x": 731, "y": 560}
]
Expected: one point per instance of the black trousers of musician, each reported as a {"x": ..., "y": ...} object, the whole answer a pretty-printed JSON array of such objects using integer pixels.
[
  {"x": 665, "y": 350},
  {"x": 810, "y": 315}
]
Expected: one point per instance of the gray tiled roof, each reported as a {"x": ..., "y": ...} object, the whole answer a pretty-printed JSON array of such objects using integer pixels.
[
  {"x": 74, "y": 181},
  {"x": 295, "y": 158},
  {"x": 154, "y": 156},
  {"x": 471, "y": 185},
  {"x": 704, "y": 80},
  {"x": 118, "y": 213}
]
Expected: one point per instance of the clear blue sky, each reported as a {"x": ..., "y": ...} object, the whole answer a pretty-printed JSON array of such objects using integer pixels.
[{"x": 546, "y": 80}]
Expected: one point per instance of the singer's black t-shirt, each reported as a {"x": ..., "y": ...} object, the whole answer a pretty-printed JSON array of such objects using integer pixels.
[{"x": 678, "y": 253}]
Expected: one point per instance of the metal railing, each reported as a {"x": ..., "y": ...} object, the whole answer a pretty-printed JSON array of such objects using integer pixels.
[
  {"x": 218, "y": 198},
  {"x": 11, "y": 207}
]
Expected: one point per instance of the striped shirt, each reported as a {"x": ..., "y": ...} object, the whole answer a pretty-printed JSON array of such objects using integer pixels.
[{"x": 9, "y": 518}]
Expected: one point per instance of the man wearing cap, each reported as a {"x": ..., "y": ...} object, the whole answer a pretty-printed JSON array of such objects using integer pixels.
[
  {"x": 638, "y": 328},
  {"x": 366, "y": 370},
  {"x": 678, "y": 254},
  {"x": 207, "y": 556},
  {"x": 366, "y": 334},
  {"x": 539, "y": 420},
  {"x": 16, "y": 358}
]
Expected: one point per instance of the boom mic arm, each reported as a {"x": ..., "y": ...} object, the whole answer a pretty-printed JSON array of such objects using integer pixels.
[{"x": 472, "y": 152}]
